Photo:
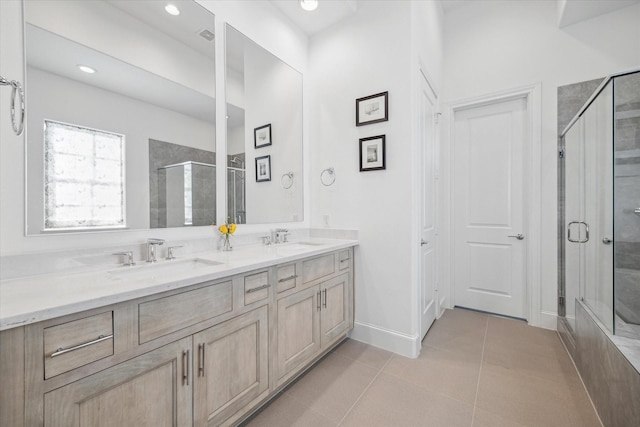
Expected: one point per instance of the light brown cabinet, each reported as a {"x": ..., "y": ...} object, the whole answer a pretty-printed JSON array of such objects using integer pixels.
[
  {"x": 310, "y": 321},
  {"x": 206, "y": 355},
  {"x": 232, "y": 367},
  {"x": 298, "y": 330},
  {"x": 335, "y": 315},
  {"x": 151, "y": 390}
]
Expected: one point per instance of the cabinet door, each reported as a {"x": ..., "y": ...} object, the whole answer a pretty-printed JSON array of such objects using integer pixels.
[
  {"x": 151, "y": 390},
  {"x": 336, "y": 308},
  {"x": 232, "y": 367},
  {"x": 298, "y": 329}
]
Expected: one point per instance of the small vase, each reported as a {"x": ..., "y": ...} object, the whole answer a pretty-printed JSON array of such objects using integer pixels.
[{"x": 226, "y": 243}]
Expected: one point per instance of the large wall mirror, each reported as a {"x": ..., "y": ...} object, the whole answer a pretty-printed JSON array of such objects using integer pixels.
[
  {"x": 121, "y": 115},
  {"x": 264, "y": 135}
]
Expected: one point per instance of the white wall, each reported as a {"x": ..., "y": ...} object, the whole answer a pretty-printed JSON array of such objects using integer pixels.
[
  {"x": 260, "y": 21},
  {"x": 491, "y": 46},
  {"x": 370, "y": 52}
]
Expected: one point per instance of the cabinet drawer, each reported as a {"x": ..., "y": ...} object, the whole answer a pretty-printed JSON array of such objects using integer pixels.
[
  {"x": 169, "y": 314},
  {"x": 344, "y": 260},
  {"x": 317, "y": 268},
  {"x": 256, "y": 287},
  {"x": 73, "y": 344},
  {"x": 286, "y": 277}
]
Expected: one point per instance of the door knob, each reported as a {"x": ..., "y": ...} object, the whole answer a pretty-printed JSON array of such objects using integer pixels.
[
  {"x": 606, "y": 240},
  {"x": 518, "y": 236}
]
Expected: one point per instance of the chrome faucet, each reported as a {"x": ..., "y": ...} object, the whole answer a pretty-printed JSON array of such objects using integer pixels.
[
  {"x": 151, "y": 248},
  {"x": 128, "y": 261},
  {"x": 281, "y": 235}
]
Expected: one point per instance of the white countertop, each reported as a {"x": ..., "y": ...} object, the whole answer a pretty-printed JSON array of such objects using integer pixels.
[{"x": 36, "y": 298}]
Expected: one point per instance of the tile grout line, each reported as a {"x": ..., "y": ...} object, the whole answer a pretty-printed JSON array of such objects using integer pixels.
[
  {"x": 365, "y": 390},
  {"x": 475, "y": 402}
]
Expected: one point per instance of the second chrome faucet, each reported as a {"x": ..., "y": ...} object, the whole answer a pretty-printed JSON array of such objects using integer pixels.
[{"x": 151, "y": 248}]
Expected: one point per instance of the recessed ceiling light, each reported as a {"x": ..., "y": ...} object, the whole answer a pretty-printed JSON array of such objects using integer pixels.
[
  {"x": 309, "y": 5},
  {"x": 172, "y": 9},
  {"x": 86, "y": 69}
]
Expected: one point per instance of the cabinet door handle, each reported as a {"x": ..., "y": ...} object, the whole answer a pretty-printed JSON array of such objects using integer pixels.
[
  {"x": 324, "y": 304},
  {"x": 286, "y": 279},
  {"x": 185, "y": 367},
  {"x": 259, "y": 288},
  {"x": 201, "y": 360},
  {"x": 318, "y": 297},
  {"x": 60, "y": 351}
]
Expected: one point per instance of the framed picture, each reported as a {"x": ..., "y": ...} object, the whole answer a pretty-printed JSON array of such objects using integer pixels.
[
  {"x": 372, "y": 153},
  {"x": 262, "y": 136},
  {"x": 372, "y": 109},
  {"x": 263, "y": 168}
]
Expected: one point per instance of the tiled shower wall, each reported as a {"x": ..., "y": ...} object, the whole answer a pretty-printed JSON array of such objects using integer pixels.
[
  {"x": 163, "y": 154},
  {"x": 627, "y": 197}
]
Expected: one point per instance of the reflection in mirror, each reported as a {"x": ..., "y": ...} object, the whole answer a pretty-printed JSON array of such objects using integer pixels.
[
  {"x": 263, "y": 94},
  {"x": 152, "y": 87}
]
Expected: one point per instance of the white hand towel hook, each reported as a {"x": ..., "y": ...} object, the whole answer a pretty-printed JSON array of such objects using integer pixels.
[{"x": 16, "y": 87}]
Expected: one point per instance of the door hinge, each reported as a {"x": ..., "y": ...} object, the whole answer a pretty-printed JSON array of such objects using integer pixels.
[
  {"x": 561, "y": 300},
  {"x": 436, "y": 117},
  {"x": 561, "y": 153}
]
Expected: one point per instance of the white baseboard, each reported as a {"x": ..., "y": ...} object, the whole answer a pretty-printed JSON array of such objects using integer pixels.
[
  {"x": 396, "y": 342},
  {"x": 548, "y": 320}
]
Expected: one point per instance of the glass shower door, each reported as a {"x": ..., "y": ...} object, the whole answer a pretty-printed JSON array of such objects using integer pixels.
[
  {"x": 575, "y": 231},
  {"x": 588, "y": 212},
  {"x": 598, "y": 202}
]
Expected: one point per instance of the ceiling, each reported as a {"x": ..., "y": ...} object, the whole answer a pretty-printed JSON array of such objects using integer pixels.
[
  {"x": 330, "y": 12},
  {"x": 572, "y": 11}
]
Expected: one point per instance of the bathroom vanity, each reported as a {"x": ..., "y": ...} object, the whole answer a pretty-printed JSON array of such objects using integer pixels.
[{"x": 204, "y": 343}]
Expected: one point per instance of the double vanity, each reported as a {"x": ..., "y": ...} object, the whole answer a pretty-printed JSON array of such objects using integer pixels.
[{"x": 201, "y": 340}]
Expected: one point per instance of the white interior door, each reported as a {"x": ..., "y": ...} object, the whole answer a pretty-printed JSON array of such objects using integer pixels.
[
  {"x": 429, "y": 197},
  {"x": 488, "y": 206}
]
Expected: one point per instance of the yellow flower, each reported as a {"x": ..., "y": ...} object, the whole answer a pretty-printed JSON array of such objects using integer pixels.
[
  {"x": 223, "y": 229},
  {"x": 232, "y": 228}
]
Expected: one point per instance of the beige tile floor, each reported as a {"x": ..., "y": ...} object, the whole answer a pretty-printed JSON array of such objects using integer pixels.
[{"x": 474, "y": 370}]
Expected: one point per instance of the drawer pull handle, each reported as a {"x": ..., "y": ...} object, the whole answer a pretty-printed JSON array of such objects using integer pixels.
[
  {"x": 201, "y": 360},
  {"x": 259, "y": 288},
  {"x": 63, "y": 350},
  {"x": 345, "y": 260},
  {"x": 286, "y": 279},
  {"x": 185, "y": 367}
]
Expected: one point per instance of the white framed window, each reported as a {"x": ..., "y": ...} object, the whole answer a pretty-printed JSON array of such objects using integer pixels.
[{"x": 84, "y": 177}]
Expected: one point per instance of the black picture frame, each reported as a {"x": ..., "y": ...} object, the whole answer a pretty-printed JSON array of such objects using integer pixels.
[
  {"x": 263, "y": 168},
  {"x": 262, "y": 136},
  {"x": 373, "y": 153},
  {"x": 372, "y": 109}
]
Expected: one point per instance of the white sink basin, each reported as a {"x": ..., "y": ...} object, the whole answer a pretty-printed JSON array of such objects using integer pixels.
[{"x": 163, "y": 268}]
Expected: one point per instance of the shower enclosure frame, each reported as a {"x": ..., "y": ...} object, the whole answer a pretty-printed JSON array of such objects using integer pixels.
[{"x": 565, "y": 326}]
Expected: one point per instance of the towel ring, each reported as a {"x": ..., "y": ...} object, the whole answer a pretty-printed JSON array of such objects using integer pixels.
[
  {"x": 286, "y": 180},
  {"x": 16, "y": 87},
  {"x": 328, "y": 177}
]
